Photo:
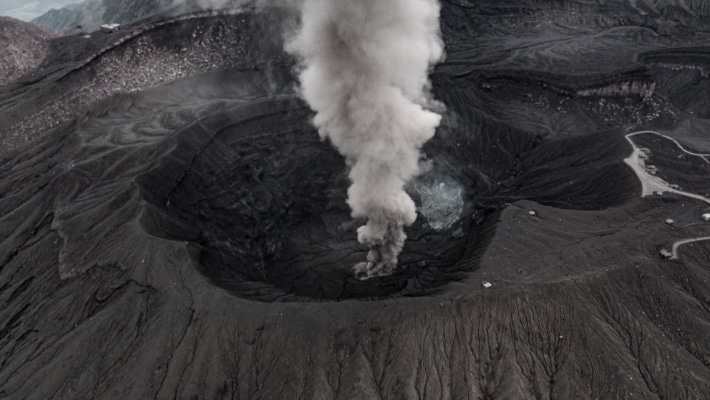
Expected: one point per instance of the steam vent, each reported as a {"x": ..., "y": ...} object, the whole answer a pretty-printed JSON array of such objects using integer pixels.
[{"x": 173, "y": 226}]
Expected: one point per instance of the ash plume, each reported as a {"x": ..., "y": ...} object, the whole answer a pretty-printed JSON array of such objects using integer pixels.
[{"x": 364, "y": 71}]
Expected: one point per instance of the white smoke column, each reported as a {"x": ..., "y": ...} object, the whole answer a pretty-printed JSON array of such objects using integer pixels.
[{"x": 365, "y": 74}]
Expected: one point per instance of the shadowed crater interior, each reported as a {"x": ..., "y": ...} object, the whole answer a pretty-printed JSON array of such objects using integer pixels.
[{"x": 262, "y": 200}]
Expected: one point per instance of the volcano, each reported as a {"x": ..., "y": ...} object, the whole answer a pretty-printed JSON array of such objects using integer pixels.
[{"x": 172, "y": 226}]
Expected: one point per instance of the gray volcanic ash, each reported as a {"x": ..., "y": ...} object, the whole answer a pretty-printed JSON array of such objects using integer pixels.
[{"x": 365, "y": 73}]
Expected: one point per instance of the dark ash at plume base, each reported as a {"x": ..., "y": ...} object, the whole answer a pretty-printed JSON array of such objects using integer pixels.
[{"x": 365, "y": 69}]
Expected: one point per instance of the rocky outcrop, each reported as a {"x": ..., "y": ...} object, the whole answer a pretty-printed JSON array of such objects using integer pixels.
[{"x": 624, "y": 88}]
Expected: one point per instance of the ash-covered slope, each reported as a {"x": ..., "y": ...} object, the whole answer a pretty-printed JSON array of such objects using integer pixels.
[
  {"x": 81, "y": 71},
  {"x": 171, "y": 227},
  {"x": 24, "y": 46}
]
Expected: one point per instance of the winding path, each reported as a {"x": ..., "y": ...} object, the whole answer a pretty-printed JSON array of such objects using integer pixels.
[
  {"x": 674, "y": 251},
  {"x": 652, "y": 184}
]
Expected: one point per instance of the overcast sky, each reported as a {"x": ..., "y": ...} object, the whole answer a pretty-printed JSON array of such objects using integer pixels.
[{"x": 27, "y": 10}]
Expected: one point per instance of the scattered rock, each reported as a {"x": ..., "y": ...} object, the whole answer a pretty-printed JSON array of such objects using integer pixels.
[{"x": 666, "y": 254}]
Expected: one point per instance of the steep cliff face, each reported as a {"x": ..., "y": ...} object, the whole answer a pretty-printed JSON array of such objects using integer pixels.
[{"x": 23, "y": 47}]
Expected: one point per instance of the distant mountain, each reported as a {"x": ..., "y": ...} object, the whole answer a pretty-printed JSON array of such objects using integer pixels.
[
  {"x": 88, "y": 14},
  {"x": 27, "y": 10},
  {"x": 23, "y": 47},
  {"x": 91, "y": 14}
]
